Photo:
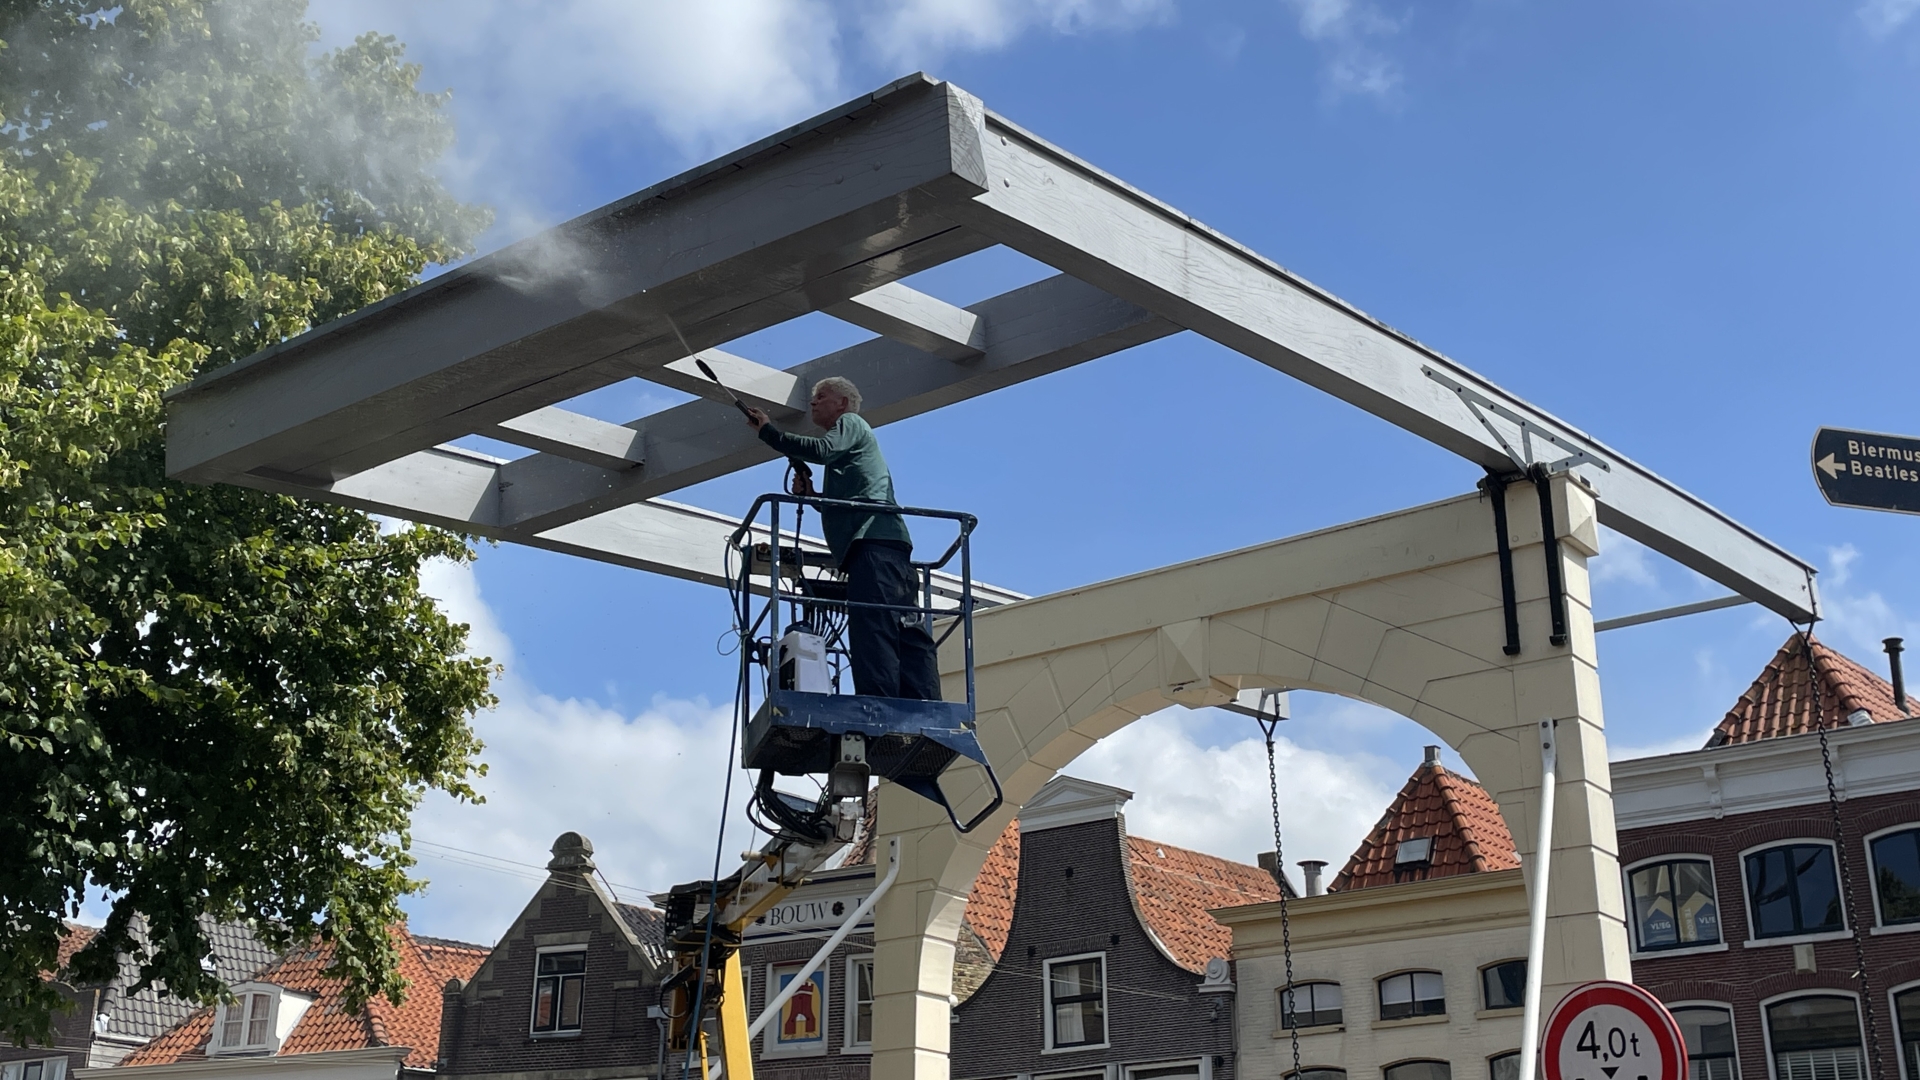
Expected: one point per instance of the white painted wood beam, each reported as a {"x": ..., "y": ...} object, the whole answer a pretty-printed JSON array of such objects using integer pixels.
[
  {"x": 835, "y": 207},
  {"x": 780, "y": 393},
  {"x": 914, "y": 318},
  {"x": 1049, "y": 205},
  {"x": 570, "y": 435}
]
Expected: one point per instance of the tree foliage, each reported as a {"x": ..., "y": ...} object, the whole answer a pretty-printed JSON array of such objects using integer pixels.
[{"x": 212, "y": 700}]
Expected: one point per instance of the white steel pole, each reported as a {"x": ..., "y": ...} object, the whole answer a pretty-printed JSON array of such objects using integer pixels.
[{"x": 1537, "y": 918}]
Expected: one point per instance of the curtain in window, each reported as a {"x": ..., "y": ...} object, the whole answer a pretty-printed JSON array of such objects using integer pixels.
[{"x": 1079, "y": 1015}]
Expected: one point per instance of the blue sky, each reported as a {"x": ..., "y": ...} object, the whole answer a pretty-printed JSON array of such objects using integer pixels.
[{"x": 1690, "y": 228}]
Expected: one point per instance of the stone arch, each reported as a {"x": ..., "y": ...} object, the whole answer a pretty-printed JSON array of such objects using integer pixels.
[{"x": 1404, "y": 611}]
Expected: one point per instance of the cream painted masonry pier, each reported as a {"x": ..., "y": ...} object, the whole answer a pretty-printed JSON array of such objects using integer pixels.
[{"x": 1403, "y": 611}]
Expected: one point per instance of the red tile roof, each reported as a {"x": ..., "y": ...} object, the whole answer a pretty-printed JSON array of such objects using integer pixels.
[
  {"x": 1780, "y": 702},
  {"x": 75, "y": 938},
  {"x": 1175, "y": 887},
  {"x": 327, "y": 1024},
  {"x": 995, "y": 888},
  {"x": 1469, "y": 835}
]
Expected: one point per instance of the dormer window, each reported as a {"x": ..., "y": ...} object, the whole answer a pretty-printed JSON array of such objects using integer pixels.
[
  {"x": 1415, "y": 852},
  {"x": 257, "y": 1020}
]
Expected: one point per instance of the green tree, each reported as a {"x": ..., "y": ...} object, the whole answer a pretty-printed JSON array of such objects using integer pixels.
[{"x": 212, "y": 700}]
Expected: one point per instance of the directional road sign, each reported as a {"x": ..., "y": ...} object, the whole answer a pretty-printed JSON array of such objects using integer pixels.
[
  {"x": 1868, "y": 470},
  {"x": 1613, "y": 1031}
]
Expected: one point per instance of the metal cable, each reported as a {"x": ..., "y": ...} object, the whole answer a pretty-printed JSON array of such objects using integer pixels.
[
  {"x": 1840, "y": 846},
  {"x": 1290, "y": 1007}
]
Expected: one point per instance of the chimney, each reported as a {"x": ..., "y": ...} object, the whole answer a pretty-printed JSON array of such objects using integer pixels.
[
  {"x": 1894, "y": 648},
  {"x": 1310, "y": 873},
  {"x": 1271, "y": 864},
  {"x": 1433, "y": 755}
]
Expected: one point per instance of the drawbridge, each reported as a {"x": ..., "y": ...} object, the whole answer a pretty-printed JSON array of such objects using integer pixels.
[{"x": 1469, "y": 615}]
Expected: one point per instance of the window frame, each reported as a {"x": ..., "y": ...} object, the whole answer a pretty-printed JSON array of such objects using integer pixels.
[
  {"x": 1880, "y": 923},
  {"x": 1380, "y": 1002},
  {"x": 1766, "y": 1029},
  {"x": 1280, "y": 1007},
  {"x": 1390, "y": 1066},
  {"x": 1202, "y": 1064},
  {"x": 559, "y": 997},
  {"x": 1502, "y": 1056},
  {"x": 1893, "y": 1014},
  {"x": 1488, "y": 1006},
  {"x": 1048, "y": 1045},
  {"x": 1713, "y": 875},
  {"x": 1746, "y": 895},
  {"x": 850, "y": 1027},
  {"x": 1305, "y": 1069},
  {"x": 244, "y": 997},
  {"x": 51, "y": 1068},
  {"x": 1733, "y": 1021}
]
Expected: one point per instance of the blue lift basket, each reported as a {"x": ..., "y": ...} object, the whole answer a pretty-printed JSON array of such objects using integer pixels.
[{"x": 786, "y": 590}]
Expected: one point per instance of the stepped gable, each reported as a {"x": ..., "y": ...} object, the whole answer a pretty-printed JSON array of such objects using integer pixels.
[
  {"x": 1469, "y": 835},
  {"x": 328, "y": 1024},
  {"x": 1780, "y": 702},
  {"x": 1174, "y": 888}
]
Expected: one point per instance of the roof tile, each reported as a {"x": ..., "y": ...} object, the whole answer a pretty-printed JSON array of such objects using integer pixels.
[
  {"x": 1469, "y": 835},
  {"x": 327, "y": 1023},
  {"x": 1780, "y": 702},
  {"x": 1175, "y": 888}
]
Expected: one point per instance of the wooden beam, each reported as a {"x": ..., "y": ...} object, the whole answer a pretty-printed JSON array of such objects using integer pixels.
[{"x": 914, "y": 318}]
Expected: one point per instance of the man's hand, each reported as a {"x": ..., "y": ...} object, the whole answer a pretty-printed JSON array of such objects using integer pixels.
[{"x": 756, "y": 419}]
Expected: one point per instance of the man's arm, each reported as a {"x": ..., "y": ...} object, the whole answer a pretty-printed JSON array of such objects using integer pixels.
[{"x": 817, "y": 449}]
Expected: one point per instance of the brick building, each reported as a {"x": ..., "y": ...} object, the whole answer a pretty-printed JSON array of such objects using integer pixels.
[
  {"x": 1411, "y": 966},
  {"x": 1734, "y": 878},
  {"x": 289, "y": 1019},
  {"x": 102, "y": 1023},
  {"x": 1107, "y": 964}
]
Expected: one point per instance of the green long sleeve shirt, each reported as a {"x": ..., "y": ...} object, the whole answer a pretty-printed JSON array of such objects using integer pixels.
[{"x": 855, "y": 471}]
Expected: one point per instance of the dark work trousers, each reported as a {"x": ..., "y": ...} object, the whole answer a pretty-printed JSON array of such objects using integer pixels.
[{"x": 893, "y": 655}]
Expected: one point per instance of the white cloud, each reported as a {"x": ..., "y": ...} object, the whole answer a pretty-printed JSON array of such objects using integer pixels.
[
  {"x": 1343, "y": 28},
  {"x": 1215, "y": 799},
  {"x": 915, "y": 32},
  {"x": 645, "y": 788},
  {"x": 1623, "y": 558},
  {"x": 1842, "y": 558},
  {"x": 1883, "y": 17}
]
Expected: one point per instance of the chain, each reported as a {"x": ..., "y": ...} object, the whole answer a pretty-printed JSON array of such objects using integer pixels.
[
  {"x": 1288, "y": 1003},
  {"x": 1840, "y": 845}
]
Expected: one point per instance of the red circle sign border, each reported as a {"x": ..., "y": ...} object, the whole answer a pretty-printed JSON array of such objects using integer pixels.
[{"x": 1627, "y": 996}]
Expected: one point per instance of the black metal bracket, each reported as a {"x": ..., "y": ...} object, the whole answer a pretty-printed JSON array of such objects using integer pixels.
[
  {"x": 1495, "y": 486},
  {"x": 1550, "y": 541}
]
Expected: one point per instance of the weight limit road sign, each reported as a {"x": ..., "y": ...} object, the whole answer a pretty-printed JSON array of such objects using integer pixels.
[
  {"x": 1868, "y": 470},
  {"x": 1613, "y": 1031}
]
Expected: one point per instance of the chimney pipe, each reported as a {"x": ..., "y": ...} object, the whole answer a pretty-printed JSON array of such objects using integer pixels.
[
  {"x": 1433, "y": 755},
  {"x": 1310, "y": 873},
  {"x": 1895, "y": 647}
]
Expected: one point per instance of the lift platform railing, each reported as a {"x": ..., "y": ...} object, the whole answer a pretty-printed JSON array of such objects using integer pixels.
[{"x": 791, "y": 612}]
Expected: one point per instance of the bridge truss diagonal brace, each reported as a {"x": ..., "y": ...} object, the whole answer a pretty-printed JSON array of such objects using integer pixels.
[{"x": 1043, "y": 202}]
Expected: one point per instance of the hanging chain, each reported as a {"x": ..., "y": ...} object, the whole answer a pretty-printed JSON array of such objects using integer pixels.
[
  {"x": 1846, "y": 871},
  {"x": 1288, "y": 1003}
]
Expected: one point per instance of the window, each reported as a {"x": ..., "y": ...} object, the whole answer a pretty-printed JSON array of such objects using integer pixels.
[
  {"x": 1076, "y": 1002},
  {"x": 1708, "y": 1031},
  {"x": 1165, "y": 1070},
  {"x": 1315, "y": 1004},
  {"x": 1412, "y": 993},
  {"x": 1504, "y": 985},
  {"x": 1311, "y": 1073},
  {"x": 1815, "y": 1038},
  {"x": 1791, "y": 890},
  {"x": 559, "y": 981},
  {"x": 1896, "y": 876},
  {"x": 860, "y": 1003},
  {"x": 1673, "y": 904},
  {"x": 1420, "y": 1070},
  {"x": 1504, "y": 1066},
  {"x": 44, "y": 1069},
  {"x": 1906, "y": 1017},
  {"x": 245, "y": 1023}
]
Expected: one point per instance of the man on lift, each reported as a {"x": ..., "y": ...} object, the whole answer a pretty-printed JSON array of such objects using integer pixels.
[{"x": 892, "y": 653}]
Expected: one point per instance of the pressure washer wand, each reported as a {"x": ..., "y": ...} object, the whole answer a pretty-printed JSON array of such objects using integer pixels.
[{"x": 708, "y": 372}]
